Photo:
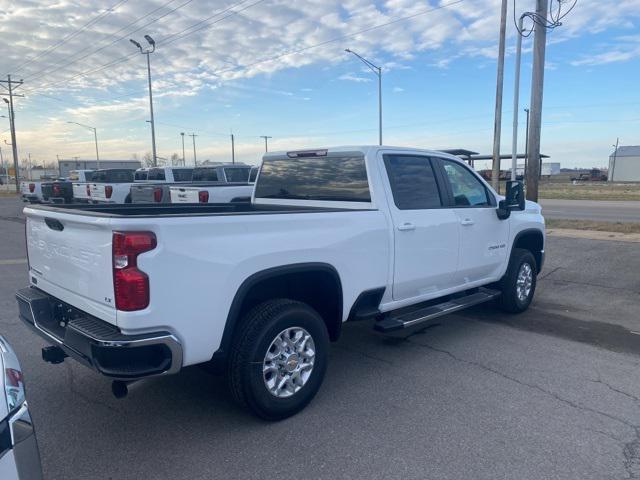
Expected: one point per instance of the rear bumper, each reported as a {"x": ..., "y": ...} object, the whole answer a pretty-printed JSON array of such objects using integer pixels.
[
  {"x": 30, "y": 198},
  {"x": 96, "y": 343}
]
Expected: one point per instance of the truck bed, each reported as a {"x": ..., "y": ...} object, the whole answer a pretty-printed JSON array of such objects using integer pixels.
[{"x": 181, "y": 210}]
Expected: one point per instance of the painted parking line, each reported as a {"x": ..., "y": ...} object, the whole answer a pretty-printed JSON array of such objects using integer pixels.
[{"x": 13, "y": 261}]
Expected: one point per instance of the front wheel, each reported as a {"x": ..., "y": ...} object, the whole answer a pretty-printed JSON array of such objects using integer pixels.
[
  {"x": 278, "y": 360},
  {"x": 519, "y": 283}
]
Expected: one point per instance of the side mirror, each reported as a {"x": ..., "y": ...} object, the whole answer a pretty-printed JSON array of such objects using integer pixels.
[{"x": 514, "y": 200}]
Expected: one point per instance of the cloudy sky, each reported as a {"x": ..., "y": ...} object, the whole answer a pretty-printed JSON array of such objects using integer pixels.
[{"x": 278, "y": 68}]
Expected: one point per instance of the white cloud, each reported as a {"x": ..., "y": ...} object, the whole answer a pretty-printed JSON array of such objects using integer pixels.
[
  {"x": 351, "y": 77},
  {"x": 398, "y": 89}
]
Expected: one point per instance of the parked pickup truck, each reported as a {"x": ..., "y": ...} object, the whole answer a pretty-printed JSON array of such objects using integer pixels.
[
  {"x": 215, "y": 184},
  {"x": 61, "y": 190},
  {"x": 396, "y": 235},
  {"x": 112, "y": 185},
  {"x": 31, "y": 191},
  {"x": 155, "y": 187}
]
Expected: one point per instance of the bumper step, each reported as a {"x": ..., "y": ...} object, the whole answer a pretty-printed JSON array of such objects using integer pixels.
[{"x": 426, "y": 314}]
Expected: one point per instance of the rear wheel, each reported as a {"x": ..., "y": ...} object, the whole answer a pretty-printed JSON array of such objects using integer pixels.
[
  {"x": 278, "y": 360},
  {"x": 519, "y": 283}
]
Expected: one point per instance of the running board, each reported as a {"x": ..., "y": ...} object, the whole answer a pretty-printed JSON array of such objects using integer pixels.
[{"x": 416, "y": 317}]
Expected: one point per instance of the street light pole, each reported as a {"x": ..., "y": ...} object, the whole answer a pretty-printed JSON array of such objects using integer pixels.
[
  {"x": 195, "y": 161},
  {"x": 497, "y": 123},
  {"x": 148, "y": 52},
  {"x": 95, "y": 137},
  {"x": 378, "y": 71},
  {"x": 183, "y": 162},
  {"x": 526, "y": 146},
  {"x": 266, "y": 146}
]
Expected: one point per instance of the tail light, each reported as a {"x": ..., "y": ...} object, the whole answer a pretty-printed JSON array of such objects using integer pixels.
[
  {"x": 56, "y": 188},
  {"x": 130, "y": 285},
  {"x": 108, "y": 191},
  {"x": 32, "y": 187},
  {"x": 157, "y": 194},
  {"x": 88, "y": 190},
  {"x": 203, "y": 196}
]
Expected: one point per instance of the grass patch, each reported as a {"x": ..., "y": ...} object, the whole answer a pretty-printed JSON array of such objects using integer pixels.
[
  {"x": 590, "y": 191},
  {"x": 616, "y": 227}
]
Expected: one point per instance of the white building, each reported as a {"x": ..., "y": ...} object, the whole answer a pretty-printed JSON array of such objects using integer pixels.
[{"x": 624, "y": 164}]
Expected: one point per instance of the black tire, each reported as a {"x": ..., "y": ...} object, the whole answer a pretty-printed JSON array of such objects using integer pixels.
[
  {"x": 259, "y": 327},
  {"x": 510, "y": 301}
]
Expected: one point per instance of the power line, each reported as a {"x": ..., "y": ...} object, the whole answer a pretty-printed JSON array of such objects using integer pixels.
[
  {"x": 128, "y": 57},
  {"x": 49, "y": 71},
  {"x": 71, "y": 35}
]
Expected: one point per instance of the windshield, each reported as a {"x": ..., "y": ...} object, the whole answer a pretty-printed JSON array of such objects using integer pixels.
[{"x": 341, "y": 179}]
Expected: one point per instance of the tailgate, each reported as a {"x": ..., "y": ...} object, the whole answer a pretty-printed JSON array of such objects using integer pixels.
[
  {"x": 184, "y": 195},
  {"x": 97, "y": 191},
  {"x": 70, "y": 258},
  {"x": 80, "y": 190},
  {"x": 142, "y": 194}
]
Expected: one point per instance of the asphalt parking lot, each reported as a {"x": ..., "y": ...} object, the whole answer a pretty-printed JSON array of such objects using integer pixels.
[{"x": 553, "y": 393}]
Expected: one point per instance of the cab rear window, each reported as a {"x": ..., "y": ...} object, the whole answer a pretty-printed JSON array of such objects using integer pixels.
[{"x": 332, "y": 178}]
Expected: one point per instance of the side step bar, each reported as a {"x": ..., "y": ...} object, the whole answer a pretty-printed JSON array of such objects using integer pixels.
[{"x": 423, "y": 315}]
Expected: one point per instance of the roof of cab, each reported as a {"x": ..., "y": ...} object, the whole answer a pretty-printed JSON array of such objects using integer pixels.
[{"x": 364, "y": 149}]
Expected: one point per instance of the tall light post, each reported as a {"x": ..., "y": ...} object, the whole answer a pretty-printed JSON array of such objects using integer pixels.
[
  {"x": 526, "y": 145},
  {"x": 95, "y": 137},
  {"x": 378, "y": 71},
  {"x": 182, "y": 135},
  {"x": 148, "y": 52},
  {"x": 195, "y": 160},
  {"x": 266, "y": 145}
]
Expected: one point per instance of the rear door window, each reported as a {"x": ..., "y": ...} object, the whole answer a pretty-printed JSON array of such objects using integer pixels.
[
  {"x": 205, "y": 175},
  {"x": 237, "y": 174},
  {"x": 156, "y": 174},
  {"x": 182, "y": 174},
  {"x": 330, "y": 178},
  {"x": 413, "y": 182}
]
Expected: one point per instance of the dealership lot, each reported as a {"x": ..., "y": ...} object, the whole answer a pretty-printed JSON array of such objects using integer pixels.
[{"x": 552, "y": 393}]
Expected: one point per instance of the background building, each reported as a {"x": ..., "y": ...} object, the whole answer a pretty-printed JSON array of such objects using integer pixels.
[
  {"x": 65, "y": 166},
  {"x": 624, "y": 164}
]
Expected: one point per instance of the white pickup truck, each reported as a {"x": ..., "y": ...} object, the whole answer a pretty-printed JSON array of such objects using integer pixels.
[
  {"x": 154, "y": 187},
  {"x": 395, "y": 235},
  {"x": 79, "y": 185},
  {"x": 223, "y": 183},
  {"x": 111, "y": 185}
]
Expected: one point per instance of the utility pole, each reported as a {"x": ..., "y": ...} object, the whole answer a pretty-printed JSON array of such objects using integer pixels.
[
  {"x": 14, "y": 146},
  {"x": 613, "y": 165},
  {"x": 182, "y": 135},
  {"x": 537, "y": 82},
  {"x": 195, "y": 161},
  {"x": 6, "y": 172},
  {"x": 497, "y": 124},
  {"x": 233, "y": 149},
  {"x": 266, "y": 146}
]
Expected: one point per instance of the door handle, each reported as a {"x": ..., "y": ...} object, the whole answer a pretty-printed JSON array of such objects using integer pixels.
[
  {"x": 466, "y": 222},
  {"x": 405, "y": 227}
]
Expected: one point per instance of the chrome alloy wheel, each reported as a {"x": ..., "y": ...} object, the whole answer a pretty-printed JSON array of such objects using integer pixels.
[
  {"x": 524, "y": 282},
  {"x": 289, "y": 361}
]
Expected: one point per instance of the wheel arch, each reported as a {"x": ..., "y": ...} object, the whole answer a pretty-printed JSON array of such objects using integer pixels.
[
  {"x": 531, "y": 239},
  {"x": 316, "y": 284}
]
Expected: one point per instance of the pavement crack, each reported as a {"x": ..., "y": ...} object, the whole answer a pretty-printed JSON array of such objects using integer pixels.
[
  {"x": 617, "y": 390},
  {"x": 570, "y": 403},
  {"x": 541, "y": 277}
]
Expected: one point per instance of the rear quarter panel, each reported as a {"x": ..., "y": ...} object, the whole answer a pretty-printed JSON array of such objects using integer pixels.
[{"x": 200, "y": 263}]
